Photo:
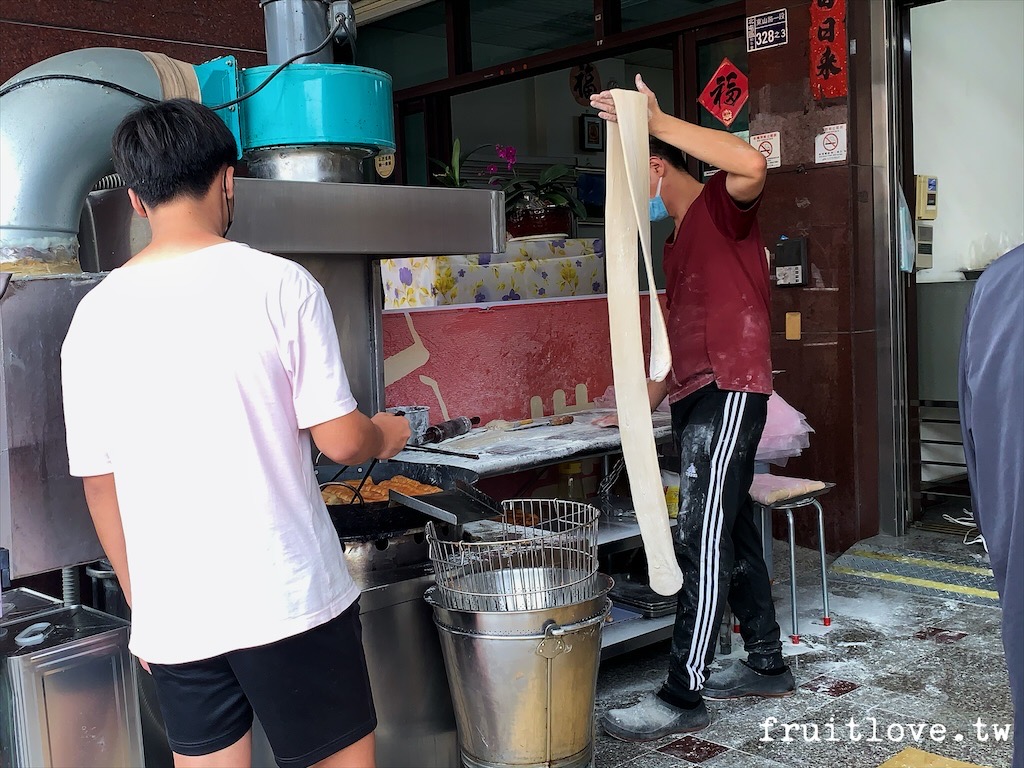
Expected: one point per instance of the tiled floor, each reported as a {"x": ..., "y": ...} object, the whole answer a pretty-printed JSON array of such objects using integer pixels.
[{"x": 891, "y": 661}]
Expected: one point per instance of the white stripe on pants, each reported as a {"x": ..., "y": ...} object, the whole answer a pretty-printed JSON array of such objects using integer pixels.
[{"x": 711, "y": 537}]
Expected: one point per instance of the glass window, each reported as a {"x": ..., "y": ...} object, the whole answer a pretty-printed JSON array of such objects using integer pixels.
[
  {"x": 655, "y": 66},
  {"x": 410, "y": 46},
  {"x": 414, "y": 148},
  {"x": 506, "y": 30},
  {"x": 710, "y": 56},
  {"x": 642, "y": 13}
]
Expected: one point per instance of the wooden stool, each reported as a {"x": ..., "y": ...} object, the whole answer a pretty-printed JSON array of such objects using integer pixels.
[{"x": 773, "y": 493}]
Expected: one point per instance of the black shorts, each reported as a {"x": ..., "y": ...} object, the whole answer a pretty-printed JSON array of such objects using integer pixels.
[{"x": 311, "y": 693}]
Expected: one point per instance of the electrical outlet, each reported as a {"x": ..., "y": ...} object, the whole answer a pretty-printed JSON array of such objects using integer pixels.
[{"x": 791, "y": 262}]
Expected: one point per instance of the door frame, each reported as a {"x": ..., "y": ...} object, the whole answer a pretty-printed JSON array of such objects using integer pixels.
[
  {"x": 888, "y": 160},
  {"x": 899, "y": 448}
]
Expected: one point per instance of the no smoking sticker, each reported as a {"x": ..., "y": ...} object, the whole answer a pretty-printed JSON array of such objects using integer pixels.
[
  {"x": 769, "y": 145},
  {"x": 830, "y": 144}
]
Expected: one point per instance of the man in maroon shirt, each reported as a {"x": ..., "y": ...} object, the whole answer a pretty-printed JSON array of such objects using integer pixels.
[{"x": 718, "y": 326}]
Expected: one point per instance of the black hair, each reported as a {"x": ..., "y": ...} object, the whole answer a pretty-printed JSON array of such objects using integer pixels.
[
  {"x": 170, "y": 149},
  {"x": 671, "y": 155}
]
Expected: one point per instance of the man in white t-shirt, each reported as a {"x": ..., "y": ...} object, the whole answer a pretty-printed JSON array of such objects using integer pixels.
[{"x": 193, "y": 379}]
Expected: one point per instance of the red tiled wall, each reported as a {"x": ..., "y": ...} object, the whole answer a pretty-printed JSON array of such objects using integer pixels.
[{"x": 491, "y": 361}]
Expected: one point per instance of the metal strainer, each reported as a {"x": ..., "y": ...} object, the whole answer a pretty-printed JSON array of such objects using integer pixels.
[{"x": 541, "y": 554}]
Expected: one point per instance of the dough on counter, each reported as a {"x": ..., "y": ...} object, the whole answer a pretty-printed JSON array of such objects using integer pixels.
[{"x": 626, "y": 219}]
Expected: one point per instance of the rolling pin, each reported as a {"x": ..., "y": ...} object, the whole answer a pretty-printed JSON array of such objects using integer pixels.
[{"x": 449, "y": 429}]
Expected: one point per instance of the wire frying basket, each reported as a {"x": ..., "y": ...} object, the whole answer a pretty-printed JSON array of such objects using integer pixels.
[{"x": 542, "y": 554}]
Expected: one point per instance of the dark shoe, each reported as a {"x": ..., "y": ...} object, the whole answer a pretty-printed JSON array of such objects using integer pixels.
[
  {"x": 652, "y": 719},
  {"x": 739, "y": 680}
]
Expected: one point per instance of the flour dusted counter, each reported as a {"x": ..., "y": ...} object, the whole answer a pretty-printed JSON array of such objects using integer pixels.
[{"x": 503, "y": 452}]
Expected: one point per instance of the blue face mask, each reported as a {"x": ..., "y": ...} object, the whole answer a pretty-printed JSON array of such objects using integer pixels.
[{"x": 656, "y": 206}]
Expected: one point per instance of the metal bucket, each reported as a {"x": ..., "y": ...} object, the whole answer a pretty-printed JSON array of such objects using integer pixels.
[
  {"x": 519, "y": 589},
  {"x": 525, "y": 622},
  {"x": 523, "y": 698},
  {"x": 419, "y": 420}
]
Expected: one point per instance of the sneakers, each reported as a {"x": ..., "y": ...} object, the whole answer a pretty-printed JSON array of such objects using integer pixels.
[
  {"x": 973, "y": 535},
  {"x": 739, "y": 680},
  {"x": 652, "y": 718}
]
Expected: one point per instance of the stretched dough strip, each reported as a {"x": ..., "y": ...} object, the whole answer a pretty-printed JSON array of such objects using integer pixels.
[{"x": 626, "y": 219}]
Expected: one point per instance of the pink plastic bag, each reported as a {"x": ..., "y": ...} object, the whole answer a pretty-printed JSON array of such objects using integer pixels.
[{"x": 785, "y": 432}]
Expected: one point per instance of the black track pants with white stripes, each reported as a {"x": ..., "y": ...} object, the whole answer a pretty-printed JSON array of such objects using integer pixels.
[{"x": 717, "y": 542}]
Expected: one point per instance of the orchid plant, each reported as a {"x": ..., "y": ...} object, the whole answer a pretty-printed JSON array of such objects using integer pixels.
[{"x": 553, "y": 188}]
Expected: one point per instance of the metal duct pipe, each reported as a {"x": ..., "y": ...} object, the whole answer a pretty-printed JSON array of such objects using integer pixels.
[
  {"x": 55, "y": 141},
  {"x": 294, "y": 26}
]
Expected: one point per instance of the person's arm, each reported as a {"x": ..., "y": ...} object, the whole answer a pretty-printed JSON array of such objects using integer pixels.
[
  {"x": 745, "y": 167},
  {"x": 657, "y": 391},
  {"x": 354, "y": 439},
  {"x": 101, "y": 498},
  {"x": 321, "y": 394}
]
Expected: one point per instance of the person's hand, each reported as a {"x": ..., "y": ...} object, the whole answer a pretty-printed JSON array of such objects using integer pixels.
[
  {"x": 605, "y": 105},
  {"x": 608, "y": 420},
  {"x": 396, "y": 433},
  {"x": 145, "y": 665}
]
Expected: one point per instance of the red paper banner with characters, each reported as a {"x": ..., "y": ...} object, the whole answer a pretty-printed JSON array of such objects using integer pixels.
[
  {"x": 726, "y": 93},
  {"x": 829, "y": 49}
]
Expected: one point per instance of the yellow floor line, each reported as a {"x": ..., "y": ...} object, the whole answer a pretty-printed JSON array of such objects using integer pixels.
[
  {"x": 920, "y": 561},
  {"x": 926, "y": 583},
  {"x": 917, "y": 758}
]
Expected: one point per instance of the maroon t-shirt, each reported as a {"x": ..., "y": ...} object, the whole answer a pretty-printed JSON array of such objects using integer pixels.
[{"x": 717, "y": 285}]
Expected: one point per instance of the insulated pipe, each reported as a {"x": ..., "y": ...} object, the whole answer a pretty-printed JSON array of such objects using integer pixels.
[
  {"x": 294, "y": 26},
  {"x": 55, "y": 141}
]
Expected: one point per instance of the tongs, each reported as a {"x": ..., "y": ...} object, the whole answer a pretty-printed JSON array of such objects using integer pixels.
[
  {"x": 465, "y": 504},
  {"x": 479, "y": 497}
]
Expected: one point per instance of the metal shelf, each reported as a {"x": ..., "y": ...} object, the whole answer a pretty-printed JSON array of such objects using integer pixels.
[
  {"x": 627, "y": 636},
  {"x": 621, "y": 535}
]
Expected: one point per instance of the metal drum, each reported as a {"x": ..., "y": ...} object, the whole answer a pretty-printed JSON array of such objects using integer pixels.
[
  {"x": 523, "y": 699},
  {"x": 517, "y": 623},
  {"x": 520, "y": 615}
]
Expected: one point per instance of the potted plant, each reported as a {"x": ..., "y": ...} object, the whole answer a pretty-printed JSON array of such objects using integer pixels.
[
  {"x": 541, "y": 206},
  {"x": 450, "y": 174}
]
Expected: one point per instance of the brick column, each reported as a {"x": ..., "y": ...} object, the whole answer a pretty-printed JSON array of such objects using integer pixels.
[{"x": 830, "y": 371}]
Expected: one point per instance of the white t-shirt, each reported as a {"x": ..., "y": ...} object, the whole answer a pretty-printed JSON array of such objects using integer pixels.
[{"x": 195, "y": 380}]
